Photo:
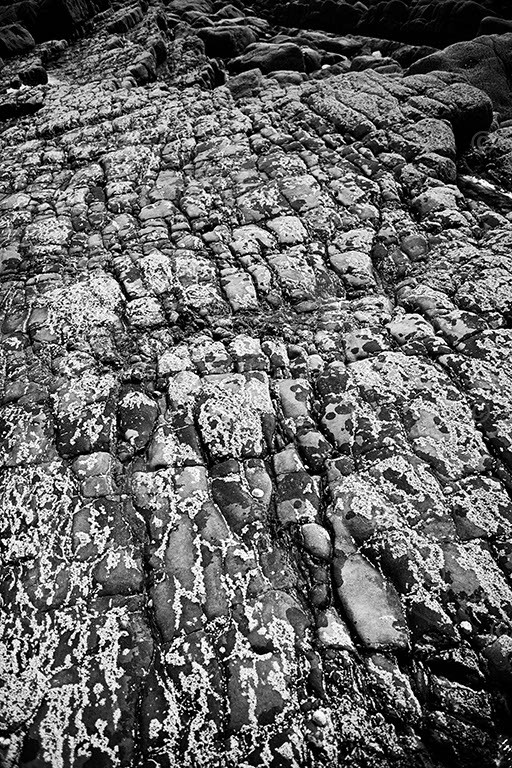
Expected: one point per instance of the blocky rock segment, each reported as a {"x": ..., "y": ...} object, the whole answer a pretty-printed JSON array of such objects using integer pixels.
[{"x": 255, "y": 436}]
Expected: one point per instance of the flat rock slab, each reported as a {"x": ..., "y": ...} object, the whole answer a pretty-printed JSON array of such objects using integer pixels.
[{"x": 372, "y": 605}]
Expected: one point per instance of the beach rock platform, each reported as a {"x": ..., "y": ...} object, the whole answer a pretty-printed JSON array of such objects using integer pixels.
[{"x": 256, "y": 396}]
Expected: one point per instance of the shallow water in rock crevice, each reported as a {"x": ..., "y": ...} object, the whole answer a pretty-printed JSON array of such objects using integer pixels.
[{"x": 255, "y": 456}]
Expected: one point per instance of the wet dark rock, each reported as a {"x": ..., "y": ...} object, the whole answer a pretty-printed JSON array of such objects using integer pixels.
[
  {"x": 269, "y": 57},
  {"x": 20, "y": 104},
  {"x": 408, "y": 54},
  {"x": 63, "y": 18},
  {"x": 14, "y": 40},
  {"x": 225, "y": 41},
  {"x": 255, "y": 388},
  {"x": 34, "y": 75},
  {"x": 143, "y": 70},
  {"x": 492, "y": 25},
  {"x": 485, "y": 62},
  {"x": 24, "y": 13},
  {"x": 312, "y": 59},
  {"x": 52, "y": 50},
  {"x": 247, "y": 83}
]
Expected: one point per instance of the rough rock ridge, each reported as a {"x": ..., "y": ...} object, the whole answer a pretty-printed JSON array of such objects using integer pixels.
[{"x": 255, "y": 436}]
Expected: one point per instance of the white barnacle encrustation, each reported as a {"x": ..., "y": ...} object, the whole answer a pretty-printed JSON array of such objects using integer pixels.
[
  {"x": 78, "y": 308},
  {"x": 229, "y": 416}
]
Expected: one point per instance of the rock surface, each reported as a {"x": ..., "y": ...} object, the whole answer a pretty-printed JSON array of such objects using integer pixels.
[
  {"x": 15, "y": 39},
  {"x": 438, "y": 22},
  {"x": 256, "y": 399},
  {"x": 486, "y": 62}
]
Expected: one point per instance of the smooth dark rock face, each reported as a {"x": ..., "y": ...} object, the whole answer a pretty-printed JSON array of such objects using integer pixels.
[{"x": 255, "y": 384}]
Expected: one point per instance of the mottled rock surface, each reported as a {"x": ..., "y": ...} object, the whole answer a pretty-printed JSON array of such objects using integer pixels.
[{"x": 256, "y": 423}]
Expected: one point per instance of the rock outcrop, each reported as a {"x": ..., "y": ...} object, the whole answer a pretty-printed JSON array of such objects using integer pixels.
[
  {"x": 486, "y": 62},
  {"x": 15, "y": 40},
  {"x": 256, "y": 402}
]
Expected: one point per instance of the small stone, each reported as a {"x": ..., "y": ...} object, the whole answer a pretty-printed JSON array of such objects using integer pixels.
[
  {"x": 316, "y": 541},
  {"x": 319, "y": 718}
]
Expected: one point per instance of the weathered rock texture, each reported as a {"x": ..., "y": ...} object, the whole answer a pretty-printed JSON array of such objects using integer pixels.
[{"x": 255, "y": 439}]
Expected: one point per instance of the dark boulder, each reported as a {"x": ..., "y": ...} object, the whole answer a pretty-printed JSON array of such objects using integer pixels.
[
  {"x": 332, "y": 15},
  {"x": 158, "y": 49},
  {"x": 24, "y": 13},
  {"x": 408, "y": 54},
  {"x": 226, "y": 41},
  {"x": 342, "y": 17},
  {"x": 468, "y": 109},
  {"x": 492, "y": 25},
  {"x": 15, "y": 40},
  {"x": 143, "y": 70},
  {"x": 34, "y": 75},
  {"x": 439, "y": 21},
  {"x": 312, "y": 59},
  {"x": 461, "y": 22},
  {"x": 51, "y": 51},
  {"x": 64, "y": 18},
  {"x": 385, "y": 19},
  {"x": 418, "y": 31},
  {"x": 270, "y": 57},
  {"x": 245, "y": 84},
  {"x": 485, "y": 62},
  {"x": 14, "y": 105},
  {"x": 15, "y": 83}
]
